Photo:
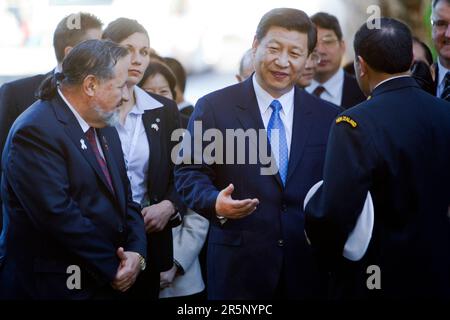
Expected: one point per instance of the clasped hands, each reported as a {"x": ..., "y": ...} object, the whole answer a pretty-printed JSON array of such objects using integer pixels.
[{"x": 128, "y": 270}]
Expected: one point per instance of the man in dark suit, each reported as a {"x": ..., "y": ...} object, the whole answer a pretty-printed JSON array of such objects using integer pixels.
[
  {"x": 440, "y": 19},
  {"x": 331, "y": 82},
  {"x": 256, "y": 246},
  {"x": 397, "y": 146},
  {"x": 67, "y": 202},
  {"x": 18, "y": 95}
]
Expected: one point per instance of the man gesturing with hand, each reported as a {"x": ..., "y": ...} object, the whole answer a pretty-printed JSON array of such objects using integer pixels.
[
  {"x": 256, "y": 244},
  {"x": 227, "y": 207}
]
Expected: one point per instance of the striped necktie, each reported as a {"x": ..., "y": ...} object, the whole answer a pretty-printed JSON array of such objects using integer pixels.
[
  {"x": 446, "y": 92},
  {"x": 90, "y": 135},
  {"x": 318, "y": 91}
]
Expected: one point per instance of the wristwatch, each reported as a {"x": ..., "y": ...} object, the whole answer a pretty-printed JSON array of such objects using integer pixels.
[{"x": 142, "y": 262}]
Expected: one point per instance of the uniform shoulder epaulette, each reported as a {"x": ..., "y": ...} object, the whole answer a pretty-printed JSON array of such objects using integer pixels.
[{"x": 346, "y": 119}]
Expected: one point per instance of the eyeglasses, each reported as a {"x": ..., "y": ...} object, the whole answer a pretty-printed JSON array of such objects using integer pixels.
[
  {"x": 314, "y": 58},
  {"x": 328, "y": 42},
  {"x": 440, "y": 25}
]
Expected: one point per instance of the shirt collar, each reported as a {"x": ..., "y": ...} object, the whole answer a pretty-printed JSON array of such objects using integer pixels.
[
  {"x": 83, "y": 124},
  {"x": 144, "y": 101},
  {"x": 183, "y": 105},
  {"x": 333, "y": 86},
  {"x": 388, "y": 79},
  {"x": 265, "y": 99},
  {"x": 442, "y": 71}
]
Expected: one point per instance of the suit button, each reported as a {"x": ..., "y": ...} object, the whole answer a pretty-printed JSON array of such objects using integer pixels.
[
  {"x": 120, "y": 229},
  {"x": 280, "y": 243},
  {"x": 284, "y": 207}
]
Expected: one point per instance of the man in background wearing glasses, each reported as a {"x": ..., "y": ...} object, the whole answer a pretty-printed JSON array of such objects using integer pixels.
[
  {"x": 330, "y": 82},
  {"x": 440, "y": 19}
]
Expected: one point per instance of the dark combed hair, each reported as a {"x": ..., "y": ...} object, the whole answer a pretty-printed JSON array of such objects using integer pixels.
[
  {"x": 122, "y": 28},
  {"x": 178, "y": 70},
  {"x": 90, "y": 57},
  {"x": 69, "y": 34},
  {"x": 290, "y": 19},
  {"x": 386, "y": 49},
  {"x": 426, "y": 49},
  {"x": 153, "y": 69},
  {"x": 327, "y": 21}
]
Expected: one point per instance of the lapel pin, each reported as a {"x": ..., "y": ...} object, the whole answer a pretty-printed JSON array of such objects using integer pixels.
[
  {"x": 105, "y": 143},
  {"x": 157, "y": 120},
  {"x": 155, "y": 126},
  {"x": 83, "y": 144}
]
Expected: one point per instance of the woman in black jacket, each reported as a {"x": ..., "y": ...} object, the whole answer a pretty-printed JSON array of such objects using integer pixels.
[{"x": 146, "y": 124}]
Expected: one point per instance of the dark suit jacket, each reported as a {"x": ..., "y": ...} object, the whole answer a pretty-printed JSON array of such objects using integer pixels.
[
  {"x": 15, "y": 97},
  {"x": 351, "y": 93},
  {"x": 253, "y": 257},
  {"x": 160, "y": 186},
  {"x": 59, "y": 209},
  {"x": 399, "y": 150}
]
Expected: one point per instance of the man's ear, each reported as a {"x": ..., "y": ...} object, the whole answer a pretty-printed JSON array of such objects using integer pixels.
[
  {"x": 363, "y": 67},
  {"x": 90, "y": 84},
  {"x": 343, "y": 47},
  {"x": 255, "y": 45},
  {"x": 67, "y": 50}
]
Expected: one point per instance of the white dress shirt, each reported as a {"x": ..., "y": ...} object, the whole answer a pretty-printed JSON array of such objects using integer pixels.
[
  {"x": 135, "y": 146},
  {"x": 442, "y": 71},
  {"x": 333, "y": 88},
  {"x": 183, "y": 105},
  {"x": 264, "y": 100},
  {"x": 83, "y": 124}
]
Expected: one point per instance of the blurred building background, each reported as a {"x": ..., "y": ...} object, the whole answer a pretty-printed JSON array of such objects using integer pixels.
[{"x": 207, "y": 36}]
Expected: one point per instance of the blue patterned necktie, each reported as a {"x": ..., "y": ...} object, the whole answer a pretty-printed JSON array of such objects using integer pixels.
[{"x": 279, "y": 148}]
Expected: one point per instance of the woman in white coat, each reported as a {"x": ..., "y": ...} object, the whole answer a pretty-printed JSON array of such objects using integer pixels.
[{"x": 185, "y": 278}]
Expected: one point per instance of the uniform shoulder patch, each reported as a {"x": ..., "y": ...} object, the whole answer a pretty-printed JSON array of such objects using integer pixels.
[{"x": 346, "y": 119}]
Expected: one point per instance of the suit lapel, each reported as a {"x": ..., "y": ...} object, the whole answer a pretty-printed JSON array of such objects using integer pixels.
[
  {"x": 301, "y": 128},
  {"x": 113, "y": 169},
  {"x": 77, "y": 136},
  {"x": 153, "y": 131},
  {"x": 249, "y": 115},
  {"x": 247, "y": 110}
]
